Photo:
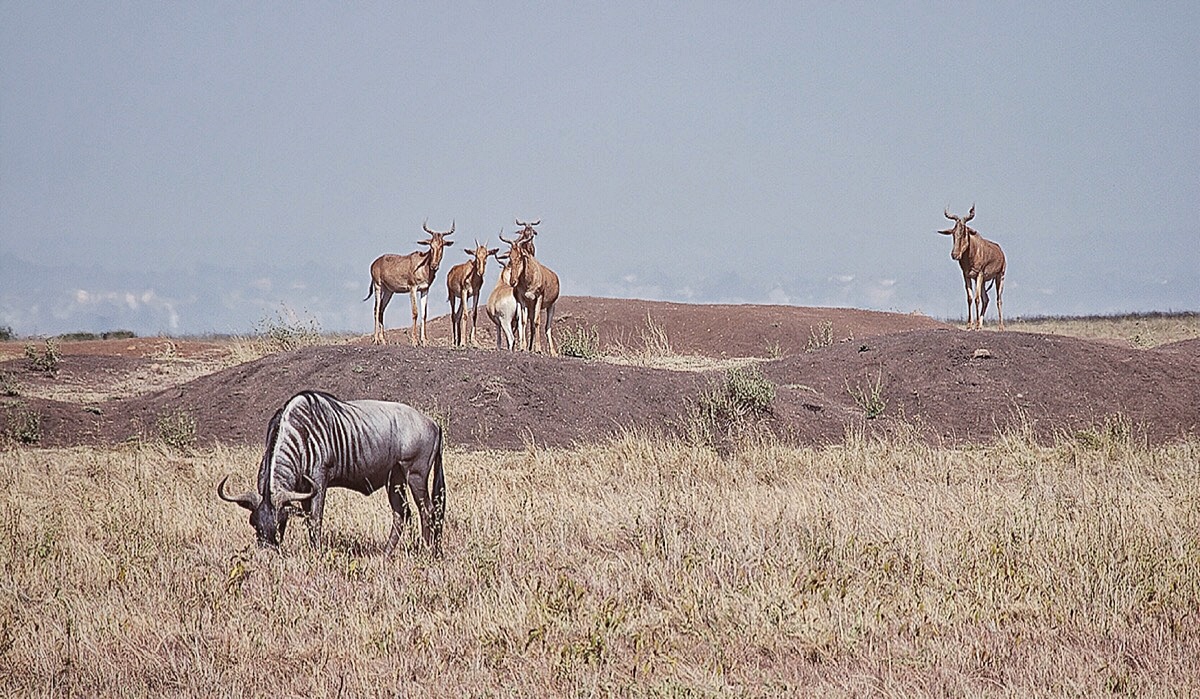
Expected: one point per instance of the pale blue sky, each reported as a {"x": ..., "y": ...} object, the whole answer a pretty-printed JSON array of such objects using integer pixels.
[{"x": 194, "y": 167}]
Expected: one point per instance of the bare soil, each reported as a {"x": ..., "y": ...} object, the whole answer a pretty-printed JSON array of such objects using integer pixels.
[{"x": 952, "y": 385}]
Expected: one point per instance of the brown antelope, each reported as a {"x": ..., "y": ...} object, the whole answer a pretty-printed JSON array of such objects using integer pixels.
[
  {"x": 982, "y": 263},
  {"x": 502, "y": 309},
  {"x": 535, "y": 287},
  {"x": 463, "y": 282},
  {"x": 527, "y": 233},
  {"x": 412, "y": 273}
]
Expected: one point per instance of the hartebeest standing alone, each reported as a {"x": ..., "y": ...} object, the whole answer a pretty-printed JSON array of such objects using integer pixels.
[
  {"x": 412, "y": 273},
  {"x": 982, "y": 262},
  {"x": 463, "y": 282},
  {"x": 535, "y": 287}
]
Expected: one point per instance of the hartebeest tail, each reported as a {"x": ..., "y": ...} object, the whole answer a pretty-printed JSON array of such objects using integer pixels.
[
  {"x": 982, "y": 262},
  {"x": 412, "y": 273}
]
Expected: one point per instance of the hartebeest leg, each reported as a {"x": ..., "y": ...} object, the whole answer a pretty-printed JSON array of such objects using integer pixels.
[
  {"x": 382, "y": 296},
  {"x": 424, "y": 313},
  {"x": 1000, "y": 300},
  {"x": 474, "y": 317},
  {"x": 535, "y": 342},
  {"x": 983, "y": 299},
  {"x": 549, "y": 336},
  {"x": 970, "y": 303}
]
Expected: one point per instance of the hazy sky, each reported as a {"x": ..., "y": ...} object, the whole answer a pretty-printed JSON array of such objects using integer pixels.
[{"x": 188, "y": 167}]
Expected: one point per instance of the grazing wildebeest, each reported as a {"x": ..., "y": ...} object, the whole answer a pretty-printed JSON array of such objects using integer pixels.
[
  {"x": 982, "y": 263},
  {"x": 316, "y": 442}
]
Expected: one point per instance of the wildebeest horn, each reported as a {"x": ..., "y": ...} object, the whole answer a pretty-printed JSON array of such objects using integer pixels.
[
  {"x": 283, "y": 497},
  {"x": 248, "y": 500},
  {"x": 970, "y": 214}
]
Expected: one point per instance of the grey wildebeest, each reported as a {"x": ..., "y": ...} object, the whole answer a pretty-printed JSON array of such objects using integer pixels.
[
  {"x": 316, "y": 442},
  {"x": 463, "y": 282},
  {"x": 535, "y": 287},
  {"x": 982, "y": 263},
  {"x": 412, "y": 273}
]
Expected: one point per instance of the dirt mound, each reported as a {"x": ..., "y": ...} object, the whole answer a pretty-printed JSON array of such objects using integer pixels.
[
  {"x": 953, "y": 385},
  {"x": 690, "y": 329}
]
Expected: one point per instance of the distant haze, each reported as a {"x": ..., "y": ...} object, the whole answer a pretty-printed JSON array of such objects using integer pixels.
[{"x": 199, "y": 167}]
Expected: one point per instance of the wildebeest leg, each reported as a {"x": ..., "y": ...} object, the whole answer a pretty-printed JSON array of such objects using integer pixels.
[
  {"x": 314, "y": 509},
  {"x": 399, "y": 501},
  {"x": 420, "y": 493},
  {"x": 1000, "y": 300},
  {"x": 382, "y": 296}
]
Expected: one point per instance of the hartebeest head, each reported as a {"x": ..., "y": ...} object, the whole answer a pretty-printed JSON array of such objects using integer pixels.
[
  {"x": 961, "y": 231},
  {"x": 437, "y": 241},
  {"x": 527, "y": 233},
  {"x": 479, "y": 256}
]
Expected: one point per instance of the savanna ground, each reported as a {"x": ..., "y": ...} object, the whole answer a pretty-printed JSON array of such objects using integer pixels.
[{"x": 726, "y": 542}]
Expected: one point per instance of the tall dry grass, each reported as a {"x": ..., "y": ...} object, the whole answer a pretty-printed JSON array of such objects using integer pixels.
[
  {"x": 1141, "y": 330},
  {"x": 639, "y": 567}
]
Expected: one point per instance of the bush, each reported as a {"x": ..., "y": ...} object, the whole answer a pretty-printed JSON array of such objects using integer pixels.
[
  {"x": 45, "y": 361},
  {"x": 580, "y": 342},
  {"x": 177, "y": 429},
  {"x": 6, "y": 333},
  {"x": 24, "y": 426}
]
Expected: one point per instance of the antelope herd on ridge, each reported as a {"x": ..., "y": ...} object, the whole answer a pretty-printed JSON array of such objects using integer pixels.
[{"x": 526, "y": 288}]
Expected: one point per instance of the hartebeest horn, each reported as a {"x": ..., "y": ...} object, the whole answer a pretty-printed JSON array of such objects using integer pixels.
[
  {"x": 949, "y": 215},
  {"x": 248, "y": 500},
  {"x": 425, "y": 225},
  {"x": 970, "y": 214},
  {"x": 510, "y": 242},
  {"x": 284, "y": 497}
]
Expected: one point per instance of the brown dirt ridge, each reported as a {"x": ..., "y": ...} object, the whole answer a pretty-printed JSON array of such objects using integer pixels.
[{"x": 950, "y": 385}]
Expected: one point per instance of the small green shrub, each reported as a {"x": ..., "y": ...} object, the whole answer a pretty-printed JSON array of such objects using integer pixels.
[
  {"x": 869, "y": 397},
  {"x": 820, "y": 336},
  {"x": 748, "y": 389},
  {"x": 46, "y": 360},
  {"x": 24, "y": 426},
  {"x": 8, "y": 384},
  {"x": 176, "y": 429},
  {"x": 580, "y": 342}
]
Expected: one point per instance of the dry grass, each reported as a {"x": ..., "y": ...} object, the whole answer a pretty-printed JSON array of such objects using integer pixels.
[
  {"x": 639, "y": 567},
  {"x": 1138, "y": 330}
]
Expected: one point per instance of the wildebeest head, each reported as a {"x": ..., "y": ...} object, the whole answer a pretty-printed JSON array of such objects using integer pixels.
[
  {"x": 961, "y": 231},
  {"x": 268, "y": 515}
]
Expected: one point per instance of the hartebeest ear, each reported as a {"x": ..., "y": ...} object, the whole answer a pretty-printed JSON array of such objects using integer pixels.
[
  {"x": 493, "y": 251},
  {"x": 947, "y": 232},
  {"x": 448, "y": 243}
]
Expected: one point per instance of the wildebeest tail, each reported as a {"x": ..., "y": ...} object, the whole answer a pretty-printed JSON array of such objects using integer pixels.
[{"x": 439, "y": 495}]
